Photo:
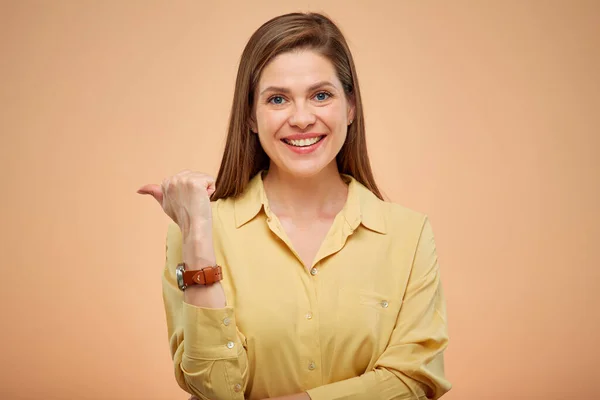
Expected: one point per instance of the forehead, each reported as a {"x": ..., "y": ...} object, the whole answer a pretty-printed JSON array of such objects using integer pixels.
[{"x": 298, "y": 68}]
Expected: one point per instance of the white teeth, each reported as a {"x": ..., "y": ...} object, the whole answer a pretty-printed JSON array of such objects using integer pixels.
[{"x": 303, "y": 142}]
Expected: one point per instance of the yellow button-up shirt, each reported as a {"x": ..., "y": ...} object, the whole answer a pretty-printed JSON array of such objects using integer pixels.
[{"x": 367, "y": 321}]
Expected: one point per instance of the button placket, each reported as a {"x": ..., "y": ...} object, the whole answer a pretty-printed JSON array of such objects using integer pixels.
[{"x": 311, "y": 337}]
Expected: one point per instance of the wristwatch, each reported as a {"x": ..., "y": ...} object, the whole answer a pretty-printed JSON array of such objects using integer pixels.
[{"x": 205, "y": 276}]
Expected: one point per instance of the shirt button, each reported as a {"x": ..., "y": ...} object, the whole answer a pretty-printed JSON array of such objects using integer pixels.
[
  {"x": 230, "y": 345},
  {"x": 385, "y": 304},
  {"x": 226, "y": 321},
  {"x": 237, "y": 387},
  {"x": 313, "y": 271},
  {"x": 311, "y": 366},
  {"x": 308, "y": 315}
]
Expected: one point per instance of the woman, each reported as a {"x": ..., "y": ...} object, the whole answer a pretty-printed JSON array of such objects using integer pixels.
[{"x": 296, "y": 279}]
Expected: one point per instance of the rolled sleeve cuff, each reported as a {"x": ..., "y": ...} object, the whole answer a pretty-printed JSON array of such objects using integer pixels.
[{"x": 210, "y": 333}]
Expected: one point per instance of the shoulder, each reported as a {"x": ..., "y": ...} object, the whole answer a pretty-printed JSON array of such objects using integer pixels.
[
  {"x": 386, "y": 216},
  {"x": 404, "y": 222},
  {"x": 400, "y": 214},
  {"x": 411, "y": 235}
]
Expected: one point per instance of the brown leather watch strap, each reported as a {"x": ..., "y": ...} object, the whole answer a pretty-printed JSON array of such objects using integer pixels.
[{"x": 204, "y": 276}]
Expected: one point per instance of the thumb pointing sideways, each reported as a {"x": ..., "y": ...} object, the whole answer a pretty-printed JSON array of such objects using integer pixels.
[{"x": 153, "y": 190}]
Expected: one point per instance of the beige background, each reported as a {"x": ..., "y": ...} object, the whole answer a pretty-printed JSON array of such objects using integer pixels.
[{"x": 483, "y": 114}]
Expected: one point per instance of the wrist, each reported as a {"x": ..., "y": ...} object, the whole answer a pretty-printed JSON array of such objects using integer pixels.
[
  {"x": 198, "y": 256},
  {"x": 200, "y": 224},
  {"x": 198, "y": 232},
  {"x": 199, "y": 252}
]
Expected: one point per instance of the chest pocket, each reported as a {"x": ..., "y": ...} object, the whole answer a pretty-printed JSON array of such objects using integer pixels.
[{"x": 366, "y": 318}]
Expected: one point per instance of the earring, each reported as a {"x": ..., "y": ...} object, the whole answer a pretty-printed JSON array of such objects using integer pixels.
[{"x": 350, "y": 122}]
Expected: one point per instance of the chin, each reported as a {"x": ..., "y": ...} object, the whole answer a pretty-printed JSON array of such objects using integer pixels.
[{"x": 305, "y": 169}]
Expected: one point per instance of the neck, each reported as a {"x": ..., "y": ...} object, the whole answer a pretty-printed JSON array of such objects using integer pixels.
[{"x": 306, "y": 198}]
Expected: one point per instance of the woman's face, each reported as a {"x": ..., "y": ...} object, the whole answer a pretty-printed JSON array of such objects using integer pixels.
[{"x": 301, "y": 112}]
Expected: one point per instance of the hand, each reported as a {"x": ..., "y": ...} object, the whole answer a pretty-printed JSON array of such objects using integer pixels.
[{"x": 185, "y": 198}]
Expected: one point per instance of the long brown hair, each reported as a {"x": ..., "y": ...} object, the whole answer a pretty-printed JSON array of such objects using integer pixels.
[{"x": 243, "y": 156}]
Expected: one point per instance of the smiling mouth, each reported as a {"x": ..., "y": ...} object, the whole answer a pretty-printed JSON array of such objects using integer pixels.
[{"x": 303, "y": 142}]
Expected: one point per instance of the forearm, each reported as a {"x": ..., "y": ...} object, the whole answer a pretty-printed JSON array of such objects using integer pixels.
[
  {"x": 298, "y": 396},
  {"x": 371, "y": 384},
  {"x": 198, "y": 253},
  {"x": 209, "y": 352}
]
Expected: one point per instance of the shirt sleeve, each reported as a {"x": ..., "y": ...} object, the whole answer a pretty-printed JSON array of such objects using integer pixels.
[
  {"x": 208, "y": 350},
  {"x": 412, "y": 365}
]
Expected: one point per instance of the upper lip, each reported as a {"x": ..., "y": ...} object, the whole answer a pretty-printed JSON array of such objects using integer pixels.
[{"x": 298, "y": 136}]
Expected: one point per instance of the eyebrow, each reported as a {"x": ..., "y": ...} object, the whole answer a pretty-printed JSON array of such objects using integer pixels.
[{"x": 287, "y": 91}]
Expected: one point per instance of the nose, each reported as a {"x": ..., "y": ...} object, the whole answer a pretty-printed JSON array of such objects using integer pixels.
[{"x": 302, "y": 116}]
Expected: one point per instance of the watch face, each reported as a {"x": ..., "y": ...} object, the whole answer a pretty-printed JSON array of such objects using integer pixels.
[{"x": 179, "y": 276}]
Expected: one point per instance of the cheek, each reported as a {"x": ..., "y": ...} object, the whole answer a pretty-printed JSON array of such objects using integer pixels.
[
  {"x": 269, "y": 121},
  {"x": 334, "y": 117}
]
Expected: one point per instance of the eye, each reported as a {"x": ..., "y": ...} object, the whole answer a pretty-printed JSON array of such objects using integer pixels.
[
  {"x": 322, "y": 96},
  {"x": 277, "y": 100}
]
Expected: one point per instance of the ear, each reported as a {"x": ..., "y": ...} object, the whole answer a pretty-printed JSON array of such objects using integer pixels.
[
  {"x": 351, "y": 110},
  {"x": 253, "y": 125}
]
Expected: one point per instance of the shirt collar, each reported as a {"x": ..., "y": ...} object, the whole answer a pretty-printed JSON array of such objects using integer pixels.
[{"x": 362, "y": 206}]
